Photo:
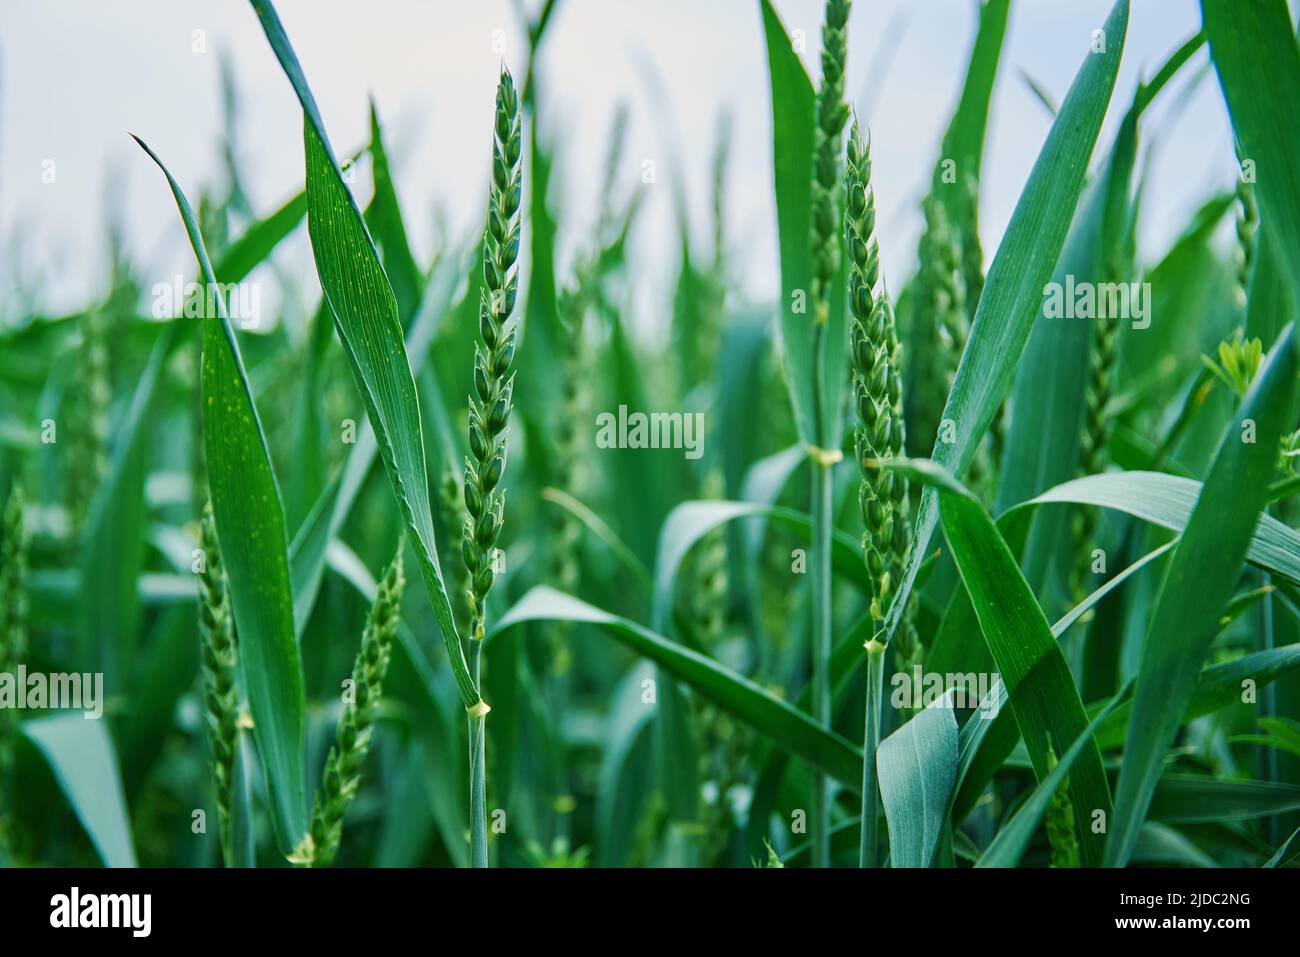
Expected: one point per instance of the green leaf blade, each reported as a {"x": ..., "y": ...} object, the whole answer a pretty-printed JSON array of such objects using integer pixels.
[
  {"x": 792, "y": 156},
  {"x": 251, "y": 529},
  {"x": 786, "y": 726},
  {"x": 366, "y": 317},
  {"x": 1258, "y": 61},
  {"x": 1020, "y": 268},
  {"x": 917, "y": 769},
  {"x": 1197, "y": 585},
  {"x": 80, "y": 753},
  {"x": 1043, "y": 696}
]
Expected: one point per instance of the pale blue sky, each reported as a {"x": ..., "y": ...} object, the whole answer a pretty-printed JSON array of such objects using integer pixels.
[{"x": 76, "y": 75}]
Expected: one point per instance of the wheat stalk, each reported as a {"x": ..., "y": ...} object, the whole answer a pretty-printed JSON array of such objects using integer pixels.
[
  {"x": 1096, "y": 420},
  {"x": 831, "y": 114},
  {"x": 451, "y": 510},
  {"x": 489, "y": 409},
  {"x": 13, "y": 580},
  {"x": 946, "y": 287},
  {"x": 489, "y": 413},
  {"x": 88, "y": 458},
  {"x": 13, "y": 644},
  {"x": 972, "y": 267},
  {"x": 218, "y": 659},
  {"x": 342, "y": 775},
  {"x": 972, "y": 253},
  {"x": 875, "y": 354},
  {"x": 565, "y": 529},
  {"x": 726, "y": 742},
  {"x": 875, "y": 357},
  {"x": 579, "y": 299},
  {"x": 1247, "y": 224},
  {"x": 1059, "y": 821}
]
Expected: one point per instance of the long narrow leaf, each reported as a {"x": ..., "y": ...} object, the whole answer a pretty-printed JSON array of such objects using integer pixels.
[
  {"x": 366, "y": 317},
  {"x": 326, "y": 517},
  {"x": 917, "y": 767},
  {"x": 80, "y": 753},
  {"x": 1041, "y": 688},
  {"x": 1014, "y": 836},
  {"x": 1258, "y": 61},
  {"x": 792, "y": 156},
  {"x": 785, "y": 726},
  {"x": 1021, "y": 266},
  {"x": 386, "y": 219},
  {"x": 1197, "y": 586},
  {"x": 112, "y": 557},
  {"x": 1196, "y": 798},
  {"x": 251, "y": 530},
  {"x": 689, "y": 522},
  {"x": 1168, "y": 501}
]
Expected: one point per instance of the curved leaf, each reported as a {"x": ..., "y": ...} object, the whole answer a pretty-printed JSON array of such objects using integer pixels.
[
  {"x": 1216, "y": 687},
  {"x": 792, "y": 153},
  {"x": 1195, "y": 798},
  {"x": 80, "y": 753},
  {"x": 1014, "y": 836},
  {"x": 624, "y": 768},
  {"x": 250, "y": 527},
  {"x": 1197, "y": 585},
  {"x": 1278, "y": 857},
  {"x": 256, "y": 243},
  {"x": 1161, "y": 846},
  {"x": 1168, "y": 501},
  {"x": 1039, "y": 684},
  {"x": 112, "y": 556},
  {"x": 763, "y": 483},
  {"x": 689, "y": 522},
  {"x": 385, "y": 218},
  {"x": 917, "y": 769},
  {"x": 366, "y": 317},
  {"x": 785, "y": 726},
  {"x": 1258, "y": 61},
  {"x": 600, "y": 528}
]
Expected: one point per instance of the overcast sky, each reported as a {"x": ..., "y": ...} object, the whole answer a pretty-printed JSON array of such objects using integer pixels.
[{"x": 76, "y": 75}]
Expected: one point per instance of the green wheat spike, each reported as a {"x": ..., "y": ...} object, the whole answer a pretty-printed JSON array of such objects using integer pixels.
[
  {"x": 876, "y": 356},
  {"x": 832, "y": 114},
  {"x": 490, "y": 407},
  {"x": 219, "y": 661},
  {"x": 342, "y": 775},
  {"x": 13, "y": 646},
  {"x": 1059, "y": 821}
]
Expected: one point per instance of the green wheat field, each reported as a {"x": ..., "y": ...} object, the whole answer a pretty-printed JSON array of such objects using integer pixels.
[{"x": 989, "y": 562}]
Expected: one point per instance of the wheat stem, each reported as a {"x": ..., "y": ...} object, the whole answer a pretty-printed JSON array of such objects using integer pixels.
[
  {"x": 875, "y": 356},
  {"x": 868, "y": 850},
  {"x": 831, "y": 116},
  {"x": 477, "y": 771},
  {"x": 489, "y": 412}
]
